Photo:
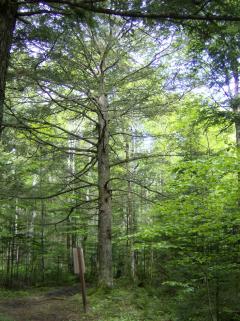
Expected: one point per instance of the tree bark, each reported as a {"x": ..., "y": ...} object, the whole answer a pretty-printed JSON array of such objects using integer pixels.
[
  {"x": 236, "y": 109},
  {"x": 104, "y": 202},
  {"x": 8, "y": 14},
  {"x": 130, "y": 220}
]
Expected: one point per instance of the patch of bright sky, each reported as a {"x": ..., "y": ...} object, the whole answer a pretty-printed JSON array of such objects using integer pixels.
[{"x": 218, "y": 92}]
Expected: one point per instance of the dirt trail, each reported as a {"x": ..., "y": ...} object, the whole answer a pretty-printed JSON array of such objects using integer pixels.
[{"x": 57, "y": 305}]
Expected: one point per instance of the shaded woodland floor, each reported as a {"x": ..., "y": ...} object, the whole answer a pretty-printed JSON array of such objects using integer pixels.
[
  {"x": 59, "y": 305},
  {"x": 64, "y": 304}
]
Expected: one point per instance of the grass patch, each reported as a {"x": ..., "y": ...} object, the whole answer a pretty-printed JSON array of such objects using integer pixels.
[
  {"x": 10, "y": 294},
  {"x": 124, "y": 304},
  {"x": 4, "y": 318},
  {"x": 28, "y": 292}
]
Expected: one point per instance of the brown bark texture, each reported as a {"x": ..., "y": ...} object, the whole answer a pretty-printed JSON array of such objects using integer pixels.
[
  {"x": 104, "y": 203},
  {"x": 8, "y": 14}
]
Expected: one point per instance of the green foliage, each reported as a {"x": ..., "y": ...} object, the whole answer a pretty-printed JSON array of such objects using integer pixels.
[
  {"x": 5, "y": 318},
  {"x": 126, "y": 304},
  {"x": 174, "y": 171}
]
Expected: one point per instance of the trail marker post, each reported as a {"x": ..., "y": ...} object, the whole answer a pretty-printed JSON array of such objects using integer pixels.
[{"x": 79, "y": 268}]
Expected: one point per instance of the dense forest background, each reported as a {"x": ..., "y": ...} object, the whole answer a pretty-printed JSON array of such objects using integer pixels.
[{"x": 120, "y": 133}]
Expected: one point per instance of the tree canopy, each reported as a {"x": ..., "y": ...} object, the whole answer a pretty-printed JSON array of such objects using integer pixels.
[{"x": 120, "y": 133}]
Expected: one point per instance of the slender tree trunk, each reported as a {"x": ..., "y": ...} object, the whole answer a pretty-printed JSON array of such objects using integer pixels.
[
  {"x": 210, "y": 306},
  {"x": 217, "y": 300},
  {"x": 130, "y": 220},
  {"x": 69, "y": 245},
  {"x": 8, "y": 13},
  {"x": 71, "y": 171},
  {"x": 104, "y": 203},
  {"x": 7, "y": 281},
  {"x": 42, "y": 241},
  {"x": 12, "y": 258}
]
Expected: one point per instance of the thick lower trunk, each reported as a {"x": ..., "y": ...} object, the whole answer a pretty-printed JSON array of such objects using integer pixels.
[
  {"x": 104, "y": 203},
  {"x": 8, "y": 13}
]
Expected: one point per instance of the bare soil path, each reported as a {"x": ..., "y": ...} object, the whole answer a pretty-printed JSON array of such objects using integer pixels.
[{"x": 57, "y": 305}]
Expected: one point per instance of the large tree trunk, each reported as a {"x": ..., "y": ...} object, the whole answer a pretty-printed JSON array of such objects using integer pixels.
[
  {"x": 8, "y": 13},
  {"x": 105, "y": 209},
  {"x": 236, "y": 109}
]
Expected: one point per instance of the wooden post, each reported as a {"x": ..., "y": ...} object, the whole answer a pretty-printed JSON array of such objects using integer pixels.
[{"x": 81, "y": 276}]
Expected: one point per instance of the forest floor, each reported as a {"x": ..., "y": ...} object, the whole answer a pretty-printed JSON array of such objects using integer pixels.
[{"x": 64, "y": 304}]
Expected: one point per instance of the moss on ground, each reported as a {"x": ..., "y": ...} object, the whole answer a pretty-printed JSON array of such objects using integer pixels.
[
  {"x": 123, "y": 303},
  {"x": 5, "y": 318}
]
